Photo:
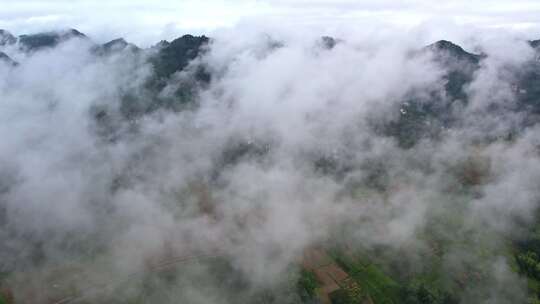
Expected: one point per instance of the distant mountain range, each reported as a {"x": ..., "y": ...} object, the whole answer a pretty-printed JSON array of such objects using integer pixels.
[
  {"x": 419, "y": 119},
  {"x": 173, "y": 56}
]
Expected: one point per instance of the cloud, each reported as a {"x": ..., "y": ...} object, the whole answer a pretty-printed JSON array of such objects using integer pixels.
[
  {"x": 143, "y": 22},
  {"x": 285, "y": 149}
]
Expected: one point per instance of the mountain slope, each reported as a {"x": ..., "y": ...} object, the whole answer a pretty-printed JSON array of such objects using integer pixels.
[
  {"x": 114, "y": 46},
  {"x": 176, "y": 55},
  {"x": 6, "y": 38},
  {"x": 7, "y": 60},
  {"x": 35, "y": 42}
]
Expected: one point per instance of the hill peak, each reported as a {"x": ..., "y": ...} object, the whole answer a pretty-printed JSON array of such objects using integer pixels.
[
  {"x": 447, "y": 49},
  {"x": 42, "y": 40},
  {"x": 6, "y": 38}
]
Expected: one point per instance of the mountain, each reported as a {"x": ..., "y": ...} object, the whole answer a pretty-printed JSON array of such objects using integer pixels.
[
  {"x": 422, "y": 114},
  {"x": 527, "y": 87},
  {"x": 7, "y": 60},
  {"x": 116, "y": 45},
  {"x": 170, "y": 58},
  {"x": 426, "y": 115},
  {"x": 6, "y": 38},
  {"x": 459, "y": 65},
  {"x": 34, "y": 42},
  {"x": 445, "y": 50},
  {"x": 161, "y": 44},
  {"x": 233, "y": 146},
  {"x": 176, "y": 55}
]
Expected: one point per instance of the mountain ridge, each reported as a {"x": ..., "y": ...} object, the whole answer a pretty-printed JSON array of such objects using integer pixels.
[
  {"x": 52, "y": 38},
  {"x": 170, "y": 57},
  {"x": 6, "y": 59}
]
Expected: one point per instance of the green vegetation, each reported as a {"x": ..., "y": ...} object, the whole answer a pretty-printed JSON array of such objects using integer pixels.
[
  {"x": 307, "y": 285},
  {"x": 527, "y": 258},
  {"x": 425, "y": 293},
  {"x": 529, "y": 263},
  {"x": 355, "y": 293},
  {"x": 381, "y": 288},
  {"x": 341, "y": 296},
  {"x": 175, "y": 56}
]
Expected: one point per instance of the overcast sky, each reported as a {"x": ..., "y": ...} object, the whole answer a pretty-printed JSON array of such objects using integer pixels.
[{"x": 146, "y": 21}]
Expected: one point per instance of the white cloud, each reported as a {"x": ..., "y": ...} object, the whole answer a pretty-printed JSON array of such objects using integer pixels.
[{"x": 145, "y": 22}]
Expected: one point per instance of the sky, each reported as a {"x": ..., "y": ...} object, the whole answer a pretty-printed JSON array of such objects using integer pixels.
[{"x": 144, "y": 22}]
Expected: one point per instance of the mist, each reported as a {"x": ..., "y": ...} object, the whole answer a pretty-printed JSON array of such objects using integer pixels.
[{"x": 288, "y": 146}]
